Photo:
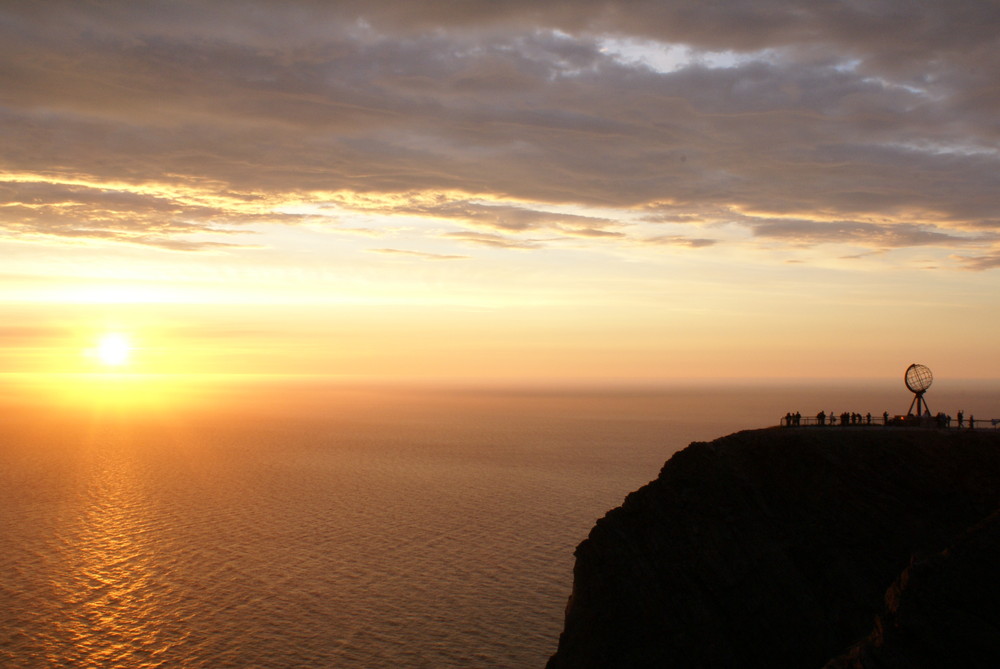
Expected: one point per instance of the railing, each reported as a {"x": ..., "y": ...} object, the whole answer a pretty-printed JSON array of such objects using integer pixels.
[
  {"x": 868, "y": 420},
  {"x": 828, "y": 421}
]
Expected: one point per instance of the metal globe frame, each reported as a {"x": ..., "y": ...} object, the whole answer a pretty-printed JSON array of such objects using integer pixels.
[{"x": 918, "y": 378}]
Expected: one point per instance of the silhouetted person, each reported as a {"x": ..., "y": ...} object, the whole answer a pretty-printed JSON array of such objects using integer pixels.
[
  {"x": 885, "y": 417},
  {"x": 972, "y": 421},
  {"x": 961, "y": 415},
  {"x": 821, "y": 418},
  {"x": 798, "y": 418},
  {"x": 868, "y": 418}
]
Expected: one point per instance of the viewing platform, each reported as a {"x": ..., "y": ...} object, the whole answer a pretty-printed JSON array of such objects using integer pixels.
[{"x": 918, "y": 378}]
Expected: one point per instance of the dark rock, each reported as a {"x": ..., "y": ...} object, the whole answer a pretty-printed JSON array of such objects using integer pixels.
[
  {"x": 943, "y": 611},
  {"x": 775, "y": 548}
]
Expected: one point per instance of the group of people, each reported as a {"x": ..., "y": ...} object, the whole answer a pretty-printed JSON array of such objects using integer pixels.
[
  {"x": 944, "y": 420},
  {"x": 846, "y": 418},
  {"x": 851, "y": 418}
]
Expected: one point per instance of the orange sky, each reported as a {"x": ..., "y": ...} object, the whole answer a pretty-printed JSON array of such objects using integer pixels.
[{"x": 586, "y": 195}]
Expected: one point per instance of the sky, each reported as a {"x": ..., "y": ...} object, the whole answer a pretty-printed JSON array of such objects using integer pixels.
[{"x": 586, "y": 191}]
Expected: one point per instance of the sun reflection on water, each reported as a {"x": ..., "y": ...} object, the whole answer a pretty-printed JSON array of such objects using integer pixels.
[{"x": 109, "y": 583}]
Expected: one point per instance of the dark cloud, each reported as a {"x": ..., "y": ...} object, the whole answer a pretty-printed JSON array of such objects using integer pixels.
[
  {"x": 732, "y": 24},
  {"x": 832, "y": 112}
]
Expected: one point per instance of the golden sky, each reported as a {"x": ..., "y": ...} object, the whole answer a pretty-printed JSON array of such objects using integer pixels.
[{"x": 583, "y": 191}]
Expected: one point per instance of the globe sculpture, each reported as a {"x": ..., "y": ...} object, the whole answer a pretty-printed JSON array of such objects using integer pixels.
[{"x": 918, "y": 379}]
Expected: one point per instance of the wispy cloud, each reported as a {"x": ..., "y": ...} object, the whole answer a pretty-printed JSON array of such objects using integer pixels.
[
  {"x": 882, "y": 236},
  {"x": 493, "y": 240},
  {"x": 418, "y": 254},
  {"x": 120, "y": 214},
  {"x": 31, "y": 335},
  {"x": 980, "y": 263},
  {"x": 680, "y": 240},
  {"x": 513, "y": 219}
]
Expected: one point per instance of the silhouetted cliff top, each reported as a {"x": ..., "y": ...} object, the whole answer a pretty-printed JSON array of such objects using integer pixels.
[{"x": 776, "y": 548}]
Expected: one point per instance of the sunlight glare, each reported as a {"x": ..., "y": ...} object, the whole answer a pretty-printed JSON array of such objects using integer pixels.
[{"x": 114, "y": 349}]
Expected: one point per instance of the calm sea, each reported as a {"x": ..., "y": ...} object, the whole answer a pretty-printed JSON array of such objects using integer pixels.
[{"x": 303, "y": 524}]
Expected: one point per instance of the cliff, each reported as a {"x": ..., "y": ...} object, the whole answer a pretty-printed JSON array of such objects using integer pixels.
[{"x": 798, "y": 547}]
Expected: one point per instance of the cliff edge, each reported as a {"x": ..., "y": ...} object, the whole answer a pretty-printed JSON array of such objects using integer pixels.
[{"x": 798, "y": 547}]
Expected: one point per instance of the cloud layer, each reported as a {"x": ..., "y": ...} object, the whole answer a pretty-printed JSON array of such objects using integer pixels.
[{"x": 807, "y": 122}]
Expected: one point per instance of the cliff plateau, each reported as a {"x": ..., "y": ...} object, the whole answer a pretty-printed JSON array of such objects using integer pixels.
[{"x": 847, "y": 548}]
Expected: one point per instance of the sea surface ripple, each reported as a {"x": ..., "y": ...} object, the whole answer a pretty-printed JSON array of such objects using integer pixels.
[{"x": 327, "y": 529}]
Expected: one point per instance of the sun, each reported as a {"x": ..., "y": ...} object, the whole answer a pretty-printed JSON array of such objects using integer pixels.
[{"x": 114, "y": 349}]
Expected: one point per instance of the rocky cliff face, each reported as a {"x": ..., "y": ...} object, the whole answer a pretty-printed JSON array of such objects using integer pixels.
[{"x": 798, "y": 547}]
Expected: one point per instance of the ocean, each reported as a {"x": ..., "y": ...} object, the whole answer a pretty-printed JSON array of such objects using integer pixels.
[{"x": 305, "y": 523}]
